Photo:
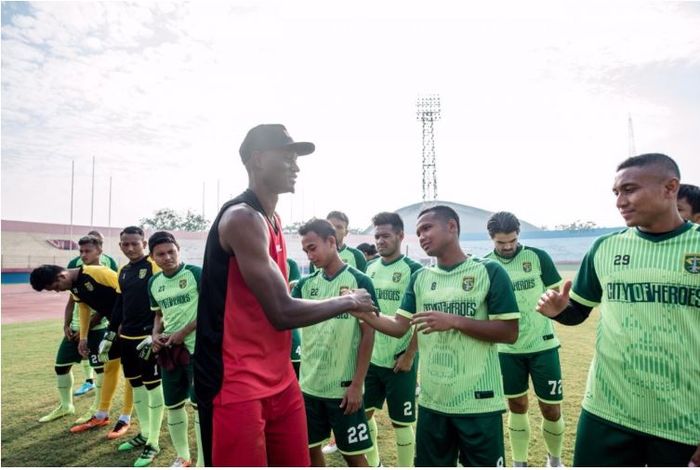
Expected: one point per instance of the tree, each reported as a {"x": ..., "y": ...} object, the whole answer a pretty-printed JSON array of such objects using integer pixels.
[
  {"x": 577, "y": 225},
  {"x": 163, "y": 219},
  {"x": 194, "y": 222},
  {"x": 169, "y": 219}
]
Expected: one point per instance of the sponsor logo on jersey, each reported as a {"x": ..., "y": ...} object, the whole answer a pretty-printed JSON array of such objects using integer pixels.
[
  {"x": 649, "y": 292},
  {"x": 142, "y": 273},
  {"x": 692, "y": 263},
  {"x": 467, "y": 283},
  {"x": 461, "y": 308},
  {"x": 527, "y": 266},
  {"x": 524, "y": 284},
  {"x": 396, "y": 277},
  {"x": 88, "y": 285},
  {"x": 182, "y": 283},
  {"x": 388, "y": 294}
]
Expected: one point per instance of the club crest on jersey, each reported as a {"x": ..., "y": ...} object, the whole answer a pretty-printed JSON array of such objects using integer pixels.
[
  {"x": 692, "y": 263},
  {"x": 467, "y": 283},
  {"x": 527, "y": 266},
  {"x": 183, "y": 283},
  {"x": 344, "y": 290},
  {"x": 142, "y": 273},
  {"x": 396, "y": 277},
  {"x": 88, "y": 285}
]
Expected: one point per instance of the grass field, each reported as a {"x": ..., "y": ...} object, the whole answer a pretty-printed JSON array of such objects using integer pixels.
[{"x": 29, "y": 391}]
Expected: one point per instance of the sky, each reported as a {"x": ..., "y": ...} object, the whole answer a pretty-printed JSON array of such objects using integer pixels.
[{"x": 536, "y": 99}]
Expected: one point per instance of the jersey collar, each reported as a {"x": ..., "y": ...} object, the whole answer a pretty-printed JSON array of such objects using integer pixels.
[
  {"x": 179, "y": 269},
  {"x": 659, "y": 237},
  {"x": 392, "y": 262}
]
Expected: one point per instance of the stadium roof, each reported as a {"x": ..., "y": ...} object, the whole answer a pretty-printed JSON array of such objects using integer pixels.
[{"x": 471, "y": 219}]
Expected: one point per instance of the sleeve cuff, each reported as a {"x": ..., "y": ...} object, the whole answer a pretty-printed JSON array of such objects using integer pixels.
[
  {"x": 404, "y": 313},
  {"x": 583, "y": 300},
  {"x": 504, "y": 316}
]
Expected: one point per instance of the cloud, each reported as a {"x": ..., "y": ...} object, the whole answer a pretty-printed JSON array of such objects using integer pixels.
[{"x": 162, "y": 94}]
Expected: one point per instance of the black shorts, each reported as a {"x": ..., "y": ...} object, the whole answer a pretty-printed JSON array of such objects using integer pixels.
[
  {"x": 134, "y": 366},
  {"x": 600, "y": 442}
]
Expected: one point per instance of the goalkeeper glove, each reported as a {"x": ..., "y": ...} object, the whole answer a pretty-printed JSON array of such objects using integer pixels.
[
  {"x": 105, "y": 345},
  {"x": 144, "y": 348}
]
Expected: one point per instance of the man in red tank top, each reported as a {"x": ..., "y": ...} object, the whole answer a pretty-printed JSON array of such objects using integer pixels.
[{"x": 251, "y": 408}]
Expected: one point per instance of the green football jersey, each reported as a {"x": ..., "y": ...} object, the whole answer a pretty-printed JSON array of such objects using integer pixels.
[
  {"x": 390, "y": 282},
  {"x": 460, "y": 375},
  {"x": 532, "y": 272},
  {"x": 176, "y": 297},
  {"x": 105, "y": 260},
  {"x": 350, "y": 256},
  {"x": 645, "y": 374},
  {"x": 293, "y": 273},
  {"x": 329, "y": 348}
]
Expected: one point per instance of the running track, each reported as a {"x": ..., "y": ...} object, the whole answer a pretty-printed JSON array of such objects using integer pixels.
[{"x": 21, "y": 303}]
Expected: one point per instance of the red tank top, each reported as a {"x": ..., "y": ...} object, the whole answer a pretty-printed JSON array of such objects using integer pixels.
[{"x": 256, "y": 357}]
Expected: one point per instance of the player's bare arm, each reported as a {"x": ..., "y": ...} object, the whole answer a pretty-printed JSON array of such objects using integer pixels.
[
  {"x": 352, "y": 400},
  {"x": 404, "y": 362},
  {"x": 494, "y": 331},
  {"x": 179, "y": 336},
  {"x": 264, "y": 278},
  {"x": 157, "y": 334},
  {"x": 695, "y": 459},
  {"x": 395, "y": 326},
  {"x": 67, "y": 318}
]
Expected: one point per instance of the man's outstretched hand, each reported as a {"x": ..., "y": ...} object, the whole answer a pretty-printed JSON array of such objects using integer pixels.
[{"x": 552, "y": 303}]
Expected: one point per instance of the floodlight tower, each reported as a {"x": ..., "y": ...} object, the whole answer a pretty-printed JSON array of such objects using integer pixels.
[
  {"x": 428, "y": 111},
  {"x": 630, "y": 130}
]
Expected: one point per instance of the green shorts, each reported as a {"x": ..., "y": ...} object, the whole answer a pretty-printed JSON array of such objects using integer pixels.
[
  {"x": 601, "y": 443},
  {"x": 178, "y": 385},
  {"x": 68, "y": 350},
  {"x": 351, "y": 431},
  {"x": 296, "y": 346},
  {"x": 543, "y": 367},
  {"x": 399, "y": 390},
  {"x": 476, "y": 439}
]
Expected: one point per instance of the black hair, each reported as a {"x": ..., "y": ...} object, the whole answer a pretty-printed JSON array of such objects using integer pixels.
[
  {"x": 368, "y": 248},
  {"x": 320, "y": 227},
  {"x": 44, "y": 276},
  {"x": 443, "y": 212},
  {"x": 97, "y": 235},
  {"x": 158, "y": 238},
  {"x": 502, "y": 222},
  {"x": 649, "y": 159},
  {"x": 338, "y": 215},
  {"x": 690, "y": 193},
  {"x": 132, "y": 230},
  {"x": 389, "y": 218},
  {"x": 90, "y": 240}
]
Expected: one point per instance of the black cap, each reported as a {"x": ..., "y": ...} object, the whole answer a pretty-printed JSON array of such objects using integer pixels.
[{"x": 270, "y": 137}]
